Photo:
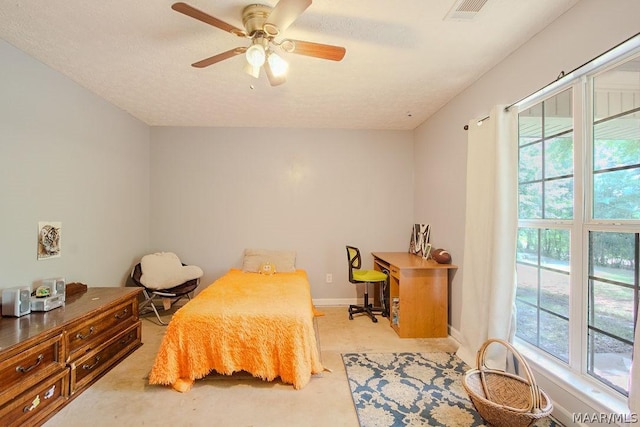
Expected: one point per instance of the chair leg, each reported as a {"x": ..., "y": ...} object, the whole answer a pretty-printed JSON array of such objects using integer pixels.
[
  {"x": 149, "y": 301},
  {"x": 366, "y": 308},
  {"x": 155, "y": 310}
]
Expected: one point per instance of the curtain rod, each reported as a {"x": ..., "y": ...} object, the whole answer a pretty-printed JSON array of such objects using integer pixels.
[{"x": 563, "y": 75}]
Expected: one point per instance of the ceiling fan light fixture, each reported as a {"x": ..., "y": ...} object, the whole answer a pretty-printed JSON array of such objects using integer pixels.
[
  {"x": 251, "y": 70},
  {"x": 278, "y": 65},
  {"x": 271, "y": 30},
  {"x": 262, "y": 24},
  {"x": 288, "y": 45},
  {"x": 256, "y": 55}
]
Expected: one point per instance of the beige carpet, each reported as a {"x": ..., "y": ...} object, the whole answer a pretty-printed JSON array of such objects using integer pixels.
[{"x": 123, "y": 398}]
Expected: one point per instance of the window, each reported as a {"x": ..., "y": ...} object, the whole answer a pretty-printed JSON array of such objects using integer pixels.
[
  {"x": 579, "y": 222},
  {"x": 612, "y": 306}
]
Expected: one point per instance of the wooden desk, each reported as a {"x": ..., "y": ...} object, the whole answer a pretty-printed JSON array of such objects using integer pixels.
[{"x": 420, "y": 288}]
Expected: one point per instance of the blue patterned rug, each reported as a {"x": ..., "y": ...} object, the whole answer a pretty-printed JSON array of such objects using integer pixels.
[{"x": 412, "y": 389}]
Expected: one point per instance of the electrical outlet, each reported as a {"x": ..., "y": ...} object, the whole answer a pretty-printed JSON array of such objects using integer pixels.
[{"x": 329, "y": 278}]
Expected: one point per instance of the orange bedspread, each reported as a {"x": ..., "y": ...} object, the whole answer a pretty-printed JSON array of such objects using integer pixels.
[{"x": 242, "y": 322}]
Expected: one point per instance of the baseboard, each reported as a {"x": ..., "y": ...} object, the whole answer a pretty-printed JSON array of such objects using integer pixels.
[
  {"x": 327, "y": 302},
  {"x": 455, "y": 334}
]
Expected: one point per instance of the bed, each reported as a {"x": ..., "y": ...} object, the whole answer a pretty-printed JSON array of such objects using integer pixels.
[{"x": 244, "y": 321}]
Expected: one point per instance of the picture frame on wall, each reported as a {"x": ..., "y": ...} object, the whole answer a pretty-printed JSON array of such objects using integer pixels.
[
  {"x": 419, "y": 243},
  {"x": 49, "y": 234}
]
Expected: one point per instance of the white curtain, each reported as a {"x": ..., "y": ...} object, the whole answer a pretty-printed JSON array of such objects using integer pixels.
[
  {"x": 488, "y": 284},
  {"x": 634, "y": 375}
]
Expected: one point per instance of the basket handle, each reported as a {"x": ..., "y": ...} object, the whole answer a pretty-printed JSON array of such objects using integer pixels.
[{"x": 533, "y": 386}]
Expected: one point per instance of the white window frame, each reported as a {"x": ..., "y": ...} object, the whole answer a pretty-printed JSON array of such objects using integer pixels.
[{"x": 573, "y": 376}]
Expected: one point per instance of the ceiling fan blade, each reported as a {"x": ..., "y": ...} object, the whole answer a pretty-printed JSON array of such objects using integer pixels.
[
  {"x": 317, "y": 50},
  {"x": 273, "y": 79},
  {"x": 285, "y": 12},
  {"x": 206, "y": 18},
  {"x": 219, "y": 57}
]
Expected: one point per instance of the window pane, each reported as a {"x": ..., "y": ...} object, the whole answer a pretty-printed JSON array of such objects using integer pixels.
[
  {"x": 527, "y": 245},
  {"x": 558, "y": 114},
  {"x": 530, "y": 125},
  {"x": 612, "y": 309},
  {"x": 542, "y": 293},
  {"x": 558, "y": 199},
  {"x": 530, "y": 163},
  {"x": 616, "y": 195},
  {"x": 608, "y": 360},
  {"x": 527, "y": 284},
  {"x": 558, "y": 156},
  {"x": 554, "y": 292},
  {"x": 616, "y": 142},
  {"x": 615, "y": 91},
  {"x": 545, "y": 165},
  {"x": 612, "y": 305},
  {"x": 527, "y": 323},
  {"x": 554, "y": 335},
  {"x": 612, "y": 256},
  {"x": 555, "y": 244},
  {"x": 530, "y": 200}
]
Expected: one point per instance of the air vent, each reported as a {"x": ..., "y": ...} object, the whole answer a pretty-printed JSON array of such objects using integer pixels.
[{"x": 464, "y": 10}]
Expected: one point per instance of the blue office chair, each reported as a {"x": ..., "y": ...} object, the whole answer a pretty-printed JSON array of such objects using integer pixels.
[{"x": 356, "y": 275}]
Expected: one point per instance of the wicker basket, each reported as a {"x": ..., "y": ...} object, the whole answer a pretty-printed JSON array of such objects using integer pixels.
[{"x": 505, "y": 399}]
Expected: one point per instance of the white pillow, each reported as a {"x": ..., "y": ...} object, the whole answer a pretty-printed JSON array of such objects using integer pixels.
[
  {"x": 285, "y": 261},
  {"x": 163, "y": 270}
]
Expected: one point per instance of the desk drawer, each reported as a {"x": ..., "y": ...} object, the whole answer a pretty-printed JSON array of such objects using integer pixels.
[
  {"x": 85, "y": 336},
  {"x": 93, "y": 364},
  {"x": 24, "y": 369},
  {"x": 36, "y": 404},
  {"x": 394, "y": 271}
]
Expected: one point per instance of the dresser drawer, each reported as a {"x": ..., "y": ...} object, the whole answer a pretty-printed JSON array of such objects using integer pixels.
[
  {"x": 92, "y": 365},
  {"x": 85, "y": 336},
  {"x": 25, "y": 367},
  {"x": 37, "y": 403}
]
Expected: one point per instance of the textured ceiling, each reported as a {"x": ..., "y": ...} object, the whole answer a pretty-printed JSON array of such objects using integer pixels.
[{"x": 404, "y": 60}]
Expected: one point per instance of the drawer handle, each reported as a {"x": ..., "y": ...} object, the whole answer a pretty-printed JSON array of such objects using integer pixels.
[
  {"x": 90, "y": 367},
  {"x": 123, "y": 315},
  {"x": 25, "y": 370},
  {"x": 84, "y": 337},
  {"x": 127, "y": 339}
]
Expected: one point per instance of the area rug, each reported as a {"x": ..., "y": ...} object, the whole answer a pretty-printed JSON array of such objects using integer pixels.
[{"x": 412, "y": 389}]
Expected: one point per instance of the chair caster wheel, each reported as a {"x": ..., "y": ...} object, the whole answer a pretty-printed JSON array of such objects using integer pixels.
[
  {"x": 375, "y": 320},
  {"x": 350, "y": 317}
]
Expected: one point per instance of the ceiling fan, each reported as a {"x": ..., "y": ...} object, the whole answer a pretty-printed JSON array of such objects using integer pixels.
[{"x": 262, "y": 24}]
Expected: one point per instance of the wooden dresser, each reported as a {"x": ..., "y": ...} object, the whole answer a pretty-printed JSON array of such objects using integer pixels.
[{"x": 48, "y": 358}]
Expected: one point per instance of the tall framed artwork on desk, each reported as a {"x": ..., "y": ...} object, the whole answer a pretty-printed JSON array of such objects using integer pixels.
[{"x": 419, "y": 243}]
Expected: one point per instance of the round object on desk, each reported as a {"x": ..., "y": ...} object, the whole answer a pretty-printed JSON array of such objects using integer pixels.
[{"x": 441, "y": 256}]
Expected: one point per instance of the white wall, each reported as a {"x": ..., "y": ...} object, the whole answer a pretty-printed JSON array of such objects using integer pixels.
[
  {"x": 67, "y": 155},
  {"x": 217, "y": 191},
  {"x": 585, "y": 31}
]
